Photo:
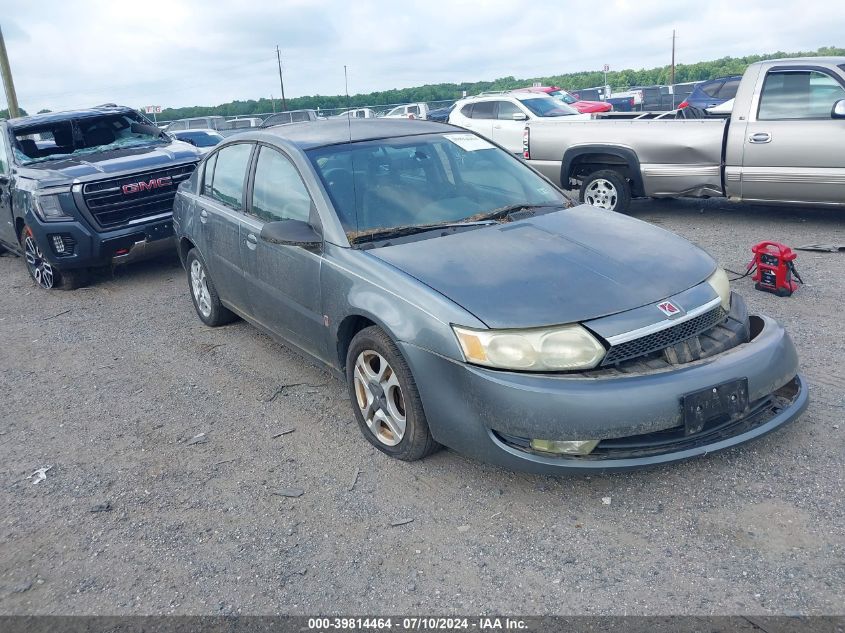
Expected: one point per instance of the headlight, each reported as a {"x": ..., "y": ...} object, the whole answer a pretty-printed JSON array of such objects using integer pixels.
[
  {"x": 560, "y": 348},
  {"x": 48, "y": 208},
  {"x": 721, "y": 284}
]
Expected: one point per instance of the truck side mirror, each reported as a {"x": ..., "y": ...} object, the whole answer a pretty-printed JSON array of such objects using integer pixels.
[
  {"x": 838, "y": 110},
  {"x": 520, "y": 116}
]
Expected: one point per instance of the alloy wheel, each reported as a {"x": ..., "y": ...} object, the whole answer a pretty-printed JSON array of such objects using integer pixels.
[
  {"x": 379, "y": 396},
  {"x": 199, "y": 286},
  {"x": 602, "y": 194},
  {"x": 40, "y": 268}
]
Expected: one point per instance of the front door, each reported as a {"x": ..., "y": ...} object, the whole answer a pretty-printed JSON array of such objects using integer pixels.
[
  {"x": 283, "y": 281},
  {"x": 793, "y": 149},
  {"x": 7, "y": 222},
  {"x": 506, "y": 131},
  {"x": 221, "y": 213}
]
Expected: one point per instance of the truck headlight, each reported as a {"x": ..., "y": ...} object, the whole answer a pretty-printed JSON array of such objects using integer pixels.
[
  {"x": 721, "y": 284},
  {"x": 559, "y": 348},
  {"x": 48, "y": 208}
]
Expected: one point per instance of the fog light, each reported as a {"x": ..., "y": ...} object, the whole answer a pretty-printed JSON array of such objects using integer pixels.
[
  {"x": 58, "y": 245},
  {"x": 565, "y": 447}
]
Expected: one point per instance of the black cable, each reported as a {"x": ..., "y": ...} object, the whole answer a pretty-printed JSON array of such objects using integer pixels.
[{"x": 751, "y": 269}]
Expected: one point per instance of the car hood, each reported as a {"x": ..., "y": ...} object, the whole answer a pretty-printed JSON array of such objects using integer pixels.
[
  {"x": 591, "y": 106},
  {"x": 563, "y": 267},
  {"x": 96, "y": 165}
]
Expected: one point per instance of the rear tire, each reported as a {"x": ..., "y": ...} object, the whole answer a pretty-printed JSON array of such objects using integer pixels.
[
  {"x": 606, "y": 189},
  {"x": 42, "y": 272},
  {"x": 206, "y": 301},
  {"x": 385, "y": 399}
]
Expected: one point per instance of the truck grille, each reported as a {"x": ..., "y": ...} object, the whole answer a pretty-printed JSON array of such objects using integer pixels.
[
  {"x": 111, "y": 207},
  {"x": 664, "y": 338}
]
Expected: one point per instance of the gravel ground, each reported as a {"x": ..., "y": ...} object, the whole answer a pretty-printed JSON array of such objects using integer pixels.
[{"x": 108, "y": 386}]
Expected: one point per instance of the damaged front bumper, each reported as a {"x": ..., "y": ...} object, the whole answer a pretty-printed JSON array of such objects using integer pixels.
[{"x": 492, "y": 415}]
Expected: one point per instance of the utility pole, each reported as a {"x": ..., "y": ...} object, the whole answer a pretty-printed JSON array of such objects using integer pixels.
[
  {"x": 6, "y": 71},
  {"x": 673, "y": 58},
  {"x": 281, "y": 81}
]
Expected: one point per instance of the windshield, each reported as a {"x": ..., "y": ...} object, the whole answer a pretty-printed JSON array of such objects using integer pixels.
[
  {"x": 562, "y": 95},
  {"x": 546, "y": 107},
  {"x": 59, "y": 140},
  {"x": 423, "y": 180},
  {"x": 200, "y": 139}
]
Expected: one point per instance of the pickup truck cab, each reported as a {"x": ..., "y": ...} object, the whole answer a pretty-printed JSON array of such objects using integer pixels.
[
  {"x": 782, "y": 144},
  {"x": 87, "y": 188}
]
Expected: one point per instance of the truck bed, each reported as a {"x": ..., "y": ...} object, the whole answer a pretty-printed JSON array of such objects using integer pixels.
[{"x": 676, "y": 156}]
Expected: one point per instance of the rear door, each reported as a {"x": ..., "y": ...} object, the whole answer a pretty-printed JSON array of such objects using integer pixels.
[
  {"x": 221, "y": 214},
  {"x": 283, "y": 281},
  {"x": 481, "y": 118},
  {"x": 7, "y": 223},
  {"x": 793, "y": 149},
  {"x": 507, "y": 132}
]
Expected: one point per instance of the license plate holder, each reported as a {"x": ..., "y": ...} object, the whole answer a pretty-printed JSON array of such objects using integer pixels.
[
  {"x": 723, "y": 402},
  {"x": 159, "y": 231}
]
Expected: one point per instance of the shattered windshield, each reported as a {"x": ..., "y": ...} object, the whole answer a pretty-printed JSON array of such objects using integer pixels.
[
  {"x": 69, "y": 138},
  {"x": 418, "y": 181}
]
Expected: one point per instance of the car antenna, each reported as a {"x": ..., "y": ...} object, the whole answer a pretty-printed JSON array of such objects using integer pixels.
[{"x": 351, "y": 152}]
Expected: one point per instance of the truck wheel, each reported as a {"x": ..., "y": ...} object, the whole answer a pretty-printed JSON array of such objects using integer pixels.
[
  {"x": 606, "y": 189},
  {"x": 206, "y": 301},
  {"x": 385, "y": 399},
  {"x": 43, "y": 272}
]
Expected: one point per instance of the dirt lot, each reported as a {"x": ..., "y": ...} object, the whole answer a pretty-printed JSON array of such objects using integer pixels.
[{"x": 109, "y": 384}]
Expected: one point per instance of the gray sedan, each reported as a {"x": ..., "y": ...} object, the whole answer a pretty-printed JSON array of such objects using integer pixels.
[{"x": 467, "y": 304}]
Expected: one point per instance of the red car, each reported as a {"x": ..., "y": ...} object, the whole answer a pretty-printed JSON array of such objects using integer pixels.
[{"x": 569, "y": 99}]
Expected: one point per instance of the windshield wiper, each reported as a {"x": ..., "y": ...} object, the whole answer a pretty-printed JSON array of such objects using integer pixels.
[
  {"x": 402, "y": 231},
  {"x": 503, "y": 212}
]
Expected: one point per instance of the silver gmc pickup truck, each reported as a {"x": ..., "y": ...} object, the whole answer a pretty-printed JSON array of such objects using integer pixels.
[{"x": 784, "y": 143}]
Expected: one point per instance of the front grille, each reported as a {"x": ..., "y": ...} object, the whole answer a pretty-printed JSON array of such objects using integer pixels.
[
  {"x": 111, "y": 207},
  {"x": 664, "y": 338}
]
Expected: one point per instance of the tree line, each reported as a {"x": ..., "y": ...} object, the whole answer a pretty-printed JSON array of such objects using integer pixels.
[{"x": 699, "y": 71}]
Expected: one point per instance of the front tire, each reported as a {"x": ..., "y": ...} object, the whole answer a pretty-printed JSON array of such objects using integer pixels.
[
  {"x": 385, "y": 399},
  {"x": 203, "y": 293},
  {"x": 606, "y": 189},
  {"x": 42, "y": 271}
]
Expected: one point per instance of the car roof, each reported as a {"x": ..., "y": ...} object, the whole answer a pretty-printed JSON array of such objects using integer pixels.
[
  {"x": 57, "y": 117},
  {"x": 804, "y": 60},
  {"x": 311, "y": 134},
  {"x": 521, "y": 96}
]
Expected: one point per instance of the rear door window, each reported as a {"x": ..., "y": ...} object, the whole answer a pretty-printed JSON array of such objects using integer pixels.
[
  {"x": 711, "y": 88},
  {"x": 728, "y": 89},
  {"x": 230, "y": 173},
  {"x": 484, "y": 110}
]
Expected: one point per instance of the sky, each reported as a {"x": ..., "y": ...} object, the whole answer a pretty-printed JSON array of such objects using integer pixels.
[{"x": 173, "y": 53}]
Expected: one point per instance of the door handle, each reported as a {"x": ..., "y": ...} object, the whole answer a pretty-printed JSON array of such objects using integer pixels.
[
  {"x": 251, "y": 241},
  {"x": 497, "y": 127},
  {"x": 760, "y": 137},
  {"x": 203, "y": 216}
]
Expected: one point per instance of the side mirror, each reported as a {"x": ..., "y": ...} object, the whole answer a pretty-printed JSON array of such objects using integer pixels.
[
  {"x": 519, "y": 116},
  {"x": 290, "y": 233},
  {"x": 838, "y": 110}
]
